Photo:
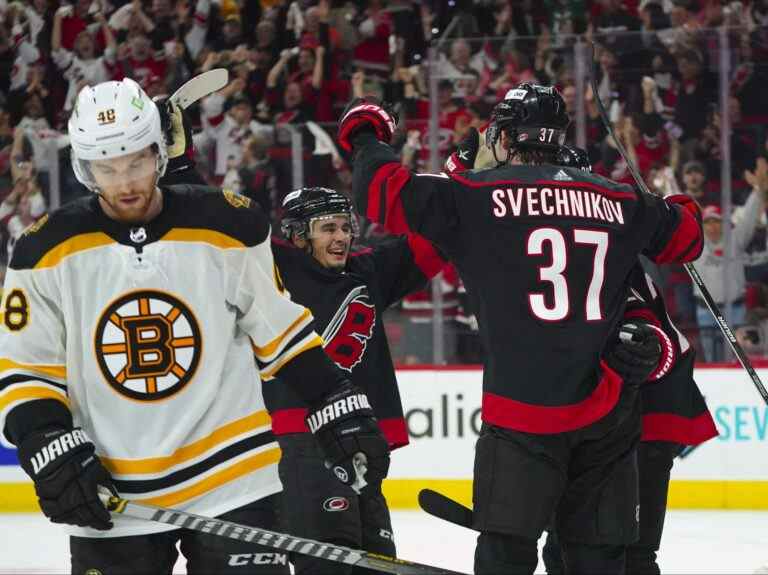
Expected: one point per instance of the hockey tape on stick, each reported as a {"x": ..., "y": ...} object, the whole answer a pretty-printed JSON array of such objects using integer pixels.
[
  {"x": 445, "y": 508},
  {"x": 273, "y": 539},
  {"x": 689, "y": 267},
  {"x": 200, "y": 86}
]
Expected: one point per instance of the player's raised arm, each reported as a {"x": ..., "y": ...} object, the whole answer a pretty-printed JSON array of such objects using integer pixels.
[{"x": 384, "y": 190}]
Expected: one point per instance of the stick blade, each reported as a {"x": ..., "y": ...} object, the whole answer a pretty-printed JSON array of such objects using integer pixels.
[
  {"x": 200, "y": 86},
  {"x": 445, "y": 508}
]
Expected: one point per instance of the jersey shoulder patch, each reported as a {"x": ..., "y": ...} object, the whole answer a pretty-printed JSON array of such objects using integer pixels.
[
  {"x": 223, "y": 211},
  {"x": 73, "y": 222}
]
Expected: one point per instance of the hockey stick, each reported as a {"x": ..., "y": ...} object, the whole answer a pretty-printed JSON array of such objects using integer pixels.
[
  {"x": 445, "y": 508},
  {"x": 273, "y": 539},
  {"x": 689, "y": 267},
  {"x": 200, "y": 86}
]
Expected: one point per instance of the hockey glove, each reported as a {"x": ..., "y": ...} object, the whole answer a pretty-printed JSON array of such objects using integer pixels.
[
  {"x": 463, "y": 158},
  {"x": 636, "y": 352},
  {"x": 177, "y": 130},
  {"x": 350, "y": 438},
  {"x": 67, "y": 475},
  {"x": 363, "y": 113}
]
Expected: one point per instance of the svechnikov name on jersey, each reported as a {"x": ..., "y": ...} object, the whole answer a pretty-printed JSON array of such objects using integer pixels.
[{"x": 545, "y": 201}]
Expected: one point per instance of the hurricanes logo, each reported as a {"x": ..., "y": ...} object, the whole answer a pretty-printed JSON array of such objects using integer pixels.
[
  {"x": 348, "y": 332},
  {"x": 148, "y": 345}
]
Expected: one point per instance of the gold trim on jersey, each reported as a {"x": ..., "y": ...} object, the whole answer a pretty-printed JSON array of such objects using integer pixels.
[
  {"x": 265, "y": 351},
  {"x": 268, "y": 374},
  {"x": 187, "y": 452},
  {"x": 216, "y": 480},
  {"x": 44, "y": 370},
  {"x": 71, "y": 246},
  {"x": 211, "y": 237},
  {"x": 25, "y": 392}
]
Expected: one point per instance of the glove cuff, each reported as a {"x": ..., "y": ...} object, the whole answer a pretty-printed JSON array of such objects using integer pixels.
[
  {"x": 667, "y": 359},
  {"x": 348, "y": 401}
]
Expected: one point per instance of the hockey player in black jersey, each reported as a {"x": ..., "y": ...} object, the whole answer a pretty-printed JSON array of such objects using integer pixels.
[
  {"x": 674, "y": 413},
  {"x": 131, "y": 319},
  {"x": 544, "y": 252},
  {"x": 347, "y": 293}
]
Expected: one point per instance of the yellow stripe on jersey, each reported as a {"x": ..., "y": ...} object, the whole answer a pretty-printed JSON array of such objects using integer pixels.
[
  {"x": 269, "y": 373},
  {"x": 45, "y": 370},
  {"x": 15, "y": 394},
  {"x": 249, "y": 465},
  {"x": 264, "y": 351},
  {"x": 71, "y": 246},
  {"x": 211, "y": 237},
  {"x": 187, "y": 452}
]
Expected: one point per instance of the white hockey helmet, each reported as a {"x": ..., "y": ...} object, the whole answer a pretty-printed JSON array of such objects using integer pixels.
[{"x": 110, "y": 120}]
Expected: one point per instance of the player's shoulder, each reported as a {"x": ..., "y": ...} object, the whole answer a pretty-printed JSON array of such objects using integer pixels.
[
  {"x": 219, "y": 210},
  {"x": 74, "y": 221}
]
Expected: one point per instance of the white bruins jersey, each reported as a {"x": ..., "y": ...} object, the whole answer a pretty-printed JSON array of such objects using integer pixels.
[{"x": 147, "y": 335}]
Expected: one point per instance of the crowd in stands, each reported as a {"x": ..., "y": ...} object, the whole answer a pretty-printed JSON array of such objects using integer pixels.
[{"x": 295, "y": 64}]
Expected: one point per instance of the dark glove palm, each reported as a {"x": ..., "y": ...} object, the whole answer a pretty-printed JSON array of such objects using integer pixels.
[
  {"x": 635, "y": 353},
  {"x": 67, "y": 475},
  {"x": 345, "y": 426}
]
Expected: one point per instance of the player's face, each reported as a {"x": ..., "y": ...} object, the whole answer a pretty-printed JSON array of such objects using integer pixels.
[
  {"x": 331, "y": 238},
  {"x": 127, "y": 186}
]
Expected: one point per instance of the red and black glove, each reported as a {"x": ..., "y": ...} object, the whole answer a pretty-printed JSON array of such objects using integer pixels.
[
  {"x": 362, "y": 113},
  {"x": 463, "y": 158}
]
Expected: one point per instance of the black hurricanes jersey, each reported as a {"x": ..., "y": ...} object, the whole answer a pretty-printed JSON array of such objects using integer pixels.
[
  {"x": 545, "y": 253},
  {"x": 348, "y": 308},
  {"x": 673, "y": 407}
]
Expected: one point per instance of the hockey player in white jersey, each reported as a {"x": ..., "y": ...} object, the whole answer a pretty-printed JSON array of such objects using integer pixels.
[{"x": 131, "y": 319}]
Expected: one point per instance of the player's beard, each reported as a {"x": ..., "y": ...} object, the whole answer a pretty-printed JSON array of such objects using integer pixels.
[{"x": 133, "y": 207}]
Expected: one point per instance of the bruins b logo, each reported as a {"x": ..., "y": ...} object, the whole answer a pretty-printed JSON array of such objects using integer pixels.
[{"x": 148, "y": 345}]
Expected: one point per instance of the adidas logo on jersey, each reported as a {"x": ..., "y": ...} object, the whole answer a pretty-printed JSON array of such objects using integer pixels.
[
  {"x": 336, "y": 409},
  {"x": 62, "y": 444},
  {"x": 562, "y": 176}
]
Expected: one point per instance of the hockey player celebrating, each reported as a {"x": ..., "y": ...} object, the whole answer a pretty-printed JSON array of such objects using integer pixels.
[
  {"x": 674, "y": 413},
  {"x": 347, "y": 293},
  {"x": 132, "y": 318},
  {"x": 544, "y": 252}
]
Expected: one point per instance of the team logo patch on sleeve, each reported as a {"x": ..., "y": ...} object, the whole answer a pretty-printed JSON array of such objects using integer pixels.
[
  {"x": 236, "y": 200},
  {"x": 148, "y": 345},
  {"x": 346, "y": 335}
]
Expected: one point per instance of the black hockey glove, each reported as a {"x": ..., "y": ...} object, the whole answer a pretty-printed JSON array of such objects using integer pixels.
[
  {"x": 177, "y": 129},
  {"x": 350, "y": 438},
  {"x": 635, "y": 353},
  {"x": 463, "y": 158},
  {"x": 362, "y": 113},
  {"x": 67, "y": 475}
]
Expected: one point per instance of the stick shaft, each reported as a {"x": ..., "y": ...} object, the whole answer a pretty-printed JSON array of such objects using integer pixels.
[
  {"x": 689, "y": 267},
  {"x": 273, "y": 539}
]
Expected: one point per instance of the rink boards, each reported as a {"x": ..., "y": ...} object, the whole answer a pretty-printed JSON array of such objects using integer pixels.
[{"x": 443, "y": 415}]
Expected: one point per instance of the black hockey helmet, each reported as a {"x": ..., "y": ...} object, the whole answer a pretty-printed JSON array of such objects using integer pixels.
[
  {"x": 302, "y": 206},
  {"x": 573, "y": 157},
  {"x": 533, "y": 116}
]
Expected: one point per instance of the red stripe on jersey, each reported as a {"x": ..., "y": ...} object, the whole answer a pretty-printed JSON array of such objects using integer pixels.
[
  {"x": 686, "y": 242},
  {"x": 289, "y": 421},
  {"x": 293, "y": 420},
  {"x": 395, "y": 430},
  {"x": 425, "y": 255},
  {"x": 550, "y": 183},
  {"x": 395, "y": 216},
  {"x": 545, "y": 419},
  {"x": 375, "y": 188},
  {"x": 678, "y": 429}
]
